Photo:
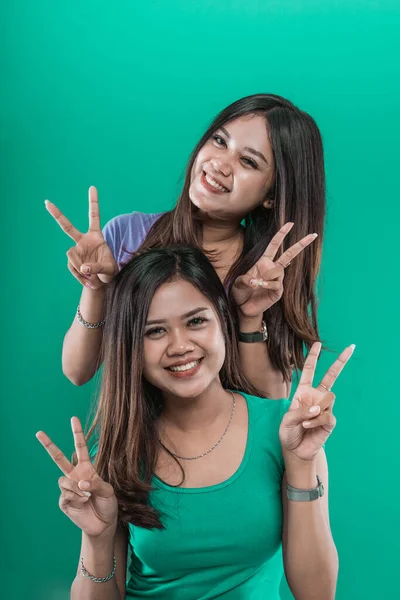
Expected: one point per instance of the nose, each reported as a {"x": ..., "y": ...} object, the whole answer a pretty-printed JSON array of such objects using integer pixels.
[
  {"x": 221, "y": 166},
  {"x": 179, "y": 343}
]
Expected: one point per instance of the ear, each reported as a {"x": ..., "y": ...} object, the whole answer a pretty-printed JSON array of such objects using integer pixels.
[{"x": 268, "y": 203}]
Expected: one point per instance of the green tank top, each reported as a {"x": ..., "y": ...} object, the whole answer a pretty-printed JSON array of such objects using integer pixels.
[{"x": 221, "y": 541}]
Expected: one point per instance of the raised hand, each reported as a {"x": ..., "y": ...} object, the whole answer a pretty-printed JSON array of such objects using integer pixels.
[
  {"x": 85, "y": 498},
  {"x": 310, "y": 421},
  {"x": 262, "y": 286},
  {"x": 90, "y": 261}
]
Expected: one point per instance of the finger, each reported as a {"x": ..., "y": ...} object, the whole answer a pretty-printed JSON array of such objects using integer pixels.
[
  {"x": 334, "y": 371},
  {"x": 294, "y": 250},
  {"x": 59, "y": 458},
  {"x": 78, "y": 276},
  {"x": 276, "y": 272},
  {"x": 304, "y": 413},
  {"x": 310, "y": 364},
  {"x": 277, "y": 240},
  {"x": 246, "y": 281},
  {"x": 66, "y": 484},
  {"x": 71, "y": 499},
  {"x": 106, "y": 267},
  {"x": 97, "y": 486},
  {"x": 94, "y": 210},
  {"x": 63, "y": 222},
  {"x": 326, "y": 420},
  {"x": 81, "y": 448}
]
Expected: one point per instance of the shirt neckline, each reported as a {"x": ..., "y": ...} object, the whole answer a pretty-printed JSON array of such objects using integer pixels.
[{"x": 159, "y": 483}]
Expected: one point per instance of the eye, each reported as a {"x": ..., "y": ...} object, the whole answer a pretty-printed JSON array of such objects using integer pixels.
[
  {"x": 219, "y": 140},
  {"x": 196, "y": 321},
  {"x": 154, "y": 332},
  {"x": 250, "y": 162}
]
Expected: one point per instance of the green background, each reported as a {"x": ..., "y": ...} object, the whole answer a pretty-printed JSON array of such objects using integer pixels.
[{"x": 116, "y": 95}]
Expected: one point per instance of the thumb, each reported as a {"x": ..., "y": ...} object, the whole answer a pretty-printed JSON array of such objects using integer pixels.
[
  {"x": 96, "y": 486},
  {"x": 304, "y": 413},
  {"x": 105, "y": 268},
  {"x": 246, "y": 281}
]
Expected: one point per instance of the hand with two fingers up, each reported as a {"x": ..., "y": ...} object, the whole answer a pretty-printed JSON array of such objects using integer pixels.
[
  {"x": 85, "y": 498},
  {"x": 310, "y": 420},
  {"x": 90, "y": 261},
  {"x": 262, "y": 286}
]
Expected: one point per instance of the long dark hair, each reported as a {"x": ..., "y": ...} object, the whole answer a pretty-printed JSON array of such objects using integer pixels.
[
  {"x": 124, "y": 423},
  {"x": 299, "y": 196}
]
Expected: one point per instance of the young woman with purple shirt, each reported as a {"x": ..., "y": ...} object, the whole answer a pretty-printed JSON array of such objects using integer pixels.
[{"x": 253, "y": 200}]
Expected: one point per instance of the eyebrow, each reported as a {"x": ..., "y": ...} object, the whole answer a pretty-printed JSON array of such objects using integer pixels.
[
  {"x": 256, "y": 152},
  {"x": 185, "y": 316}
]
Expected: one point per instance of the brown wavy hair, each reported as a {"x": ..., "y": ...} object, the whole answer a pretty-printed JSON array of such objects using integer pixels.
[
  {"x": 299, "y": 196},
  {"x": 124, "y": 425}
]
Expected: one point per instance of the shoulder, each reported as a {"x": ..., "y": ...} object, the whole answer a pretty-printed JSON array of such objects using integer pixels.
[
  {"x": 131, "y": 221},
  {"x": 126, "y": 232},
  {"x": 266, "y": 409},
  {"x": 265, "y": 417}
]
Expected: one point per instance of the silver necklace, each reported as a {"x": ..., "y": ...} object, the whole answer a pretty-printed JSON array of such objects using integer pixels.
[{"x": 212, "y": 447}]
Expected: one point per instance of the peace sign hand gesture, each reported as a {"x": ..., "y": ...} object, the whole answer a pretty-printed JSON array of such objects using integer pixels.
[
  {"x": 262, "y": 286},
  {"x": 85, "y": 498},
  {"x": 91, "y": 261},
  {"x": 310, "y": 421}
]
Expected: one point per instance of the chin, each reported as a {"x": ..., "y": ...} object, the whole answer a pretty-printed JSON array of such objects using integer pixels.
[{"x": 184, "y": 388}]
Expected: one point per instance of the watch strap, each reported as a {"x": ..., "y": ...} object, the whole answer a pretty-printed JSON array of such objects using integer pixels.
[
  {"x": 254, "y": 336},
  {"x": 298, "y": 495}
]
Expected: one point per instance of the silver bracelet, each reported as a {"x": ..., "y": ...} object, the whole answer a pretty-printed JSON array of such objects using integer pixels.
[
  {"x": 86, "y": 323},
  {"x": 98, "y": 579}
]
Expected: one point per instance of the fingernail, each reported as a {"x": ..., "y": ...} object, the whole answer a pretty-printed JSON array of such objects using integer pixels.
[
  {"x": 315, "y": 409},
  {"x": 353, "y": 347},
  {"x": 87, "y": 284},
  {"x": 315, "y": 235},
  {"x": 85, "y": 269},
  {"x": 86, "y": 494},
  {"x": 265, "y": 284},
  {"x": 253, "y": 281},
  {"x": 306, "y": 423},
  {"x": 84, "y": 485},
  {"x": 46, "y": 201}
]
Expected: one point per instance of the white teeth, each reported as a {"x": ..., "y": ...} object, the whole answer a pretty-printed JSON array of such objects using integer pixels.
[
  {"x": 216, "y": 185},
  {"x": 185, "y": 367}
]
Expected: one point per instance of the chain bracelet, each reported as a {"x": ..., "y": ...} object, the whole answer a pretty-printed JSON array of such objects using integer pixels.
[
  {"x": 86, "y": 323},
  {"x": 98, "y": 579}
]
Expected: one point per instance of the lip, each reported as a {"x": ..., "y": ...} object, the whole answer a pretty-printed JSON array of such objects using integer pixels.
[
  {"x": 209, "y": 187},
  {"x": 184, "y": 374}
]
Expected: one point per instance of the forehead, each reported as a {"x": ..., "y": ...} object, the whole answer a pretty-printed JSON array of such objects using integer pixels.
[
  {"x": 249, "y": 130},
  {"x": 174, "y": 299}
]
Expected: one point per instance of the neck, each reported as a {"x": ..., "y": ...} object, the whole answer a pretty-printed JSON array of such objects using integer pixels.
[
  {"x": 220, "y": 232},
  {"x": 198, "y": 413}
]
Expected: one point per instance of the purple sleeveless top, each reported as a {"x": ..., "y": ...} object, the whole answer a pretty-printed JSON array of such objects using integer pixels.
[{"x": 125, "y": 233}]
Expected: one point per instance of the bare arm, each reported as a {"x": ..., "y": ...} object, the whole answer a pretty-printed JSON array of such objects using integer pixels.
[
  {"x": 82, "y": 346},
  {"x": 309, "y": 552},
  {"x": 254, "y": 293},
  {"x": 98, "y": 561},
  {"x": 257, "y": 364},
  {"x": 92, "y": 263}
]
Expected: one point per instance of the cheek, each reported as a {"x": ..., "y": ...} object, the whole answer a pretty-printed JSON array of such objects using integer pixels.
[
  {"x": 203, "y": 156},
  {"x": 216, "y": 344},
  {"x": 152, "y": 353}
]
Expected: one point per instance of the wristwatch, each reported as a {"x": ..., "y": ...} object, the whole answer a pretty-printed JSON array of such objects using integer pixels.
[
  {"x": 298, "y": 495},
  {"x": 254, "y": 336}
]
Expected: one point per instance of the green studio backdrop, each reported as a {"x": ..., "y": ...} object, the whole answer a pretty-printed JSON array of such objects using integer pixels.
[{"x": 116, "y": 95}]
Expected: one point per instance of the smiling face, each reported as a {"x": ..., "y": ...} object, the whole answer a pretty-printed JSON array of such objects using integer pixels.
[
  {"x": 184, "y": 348},
  {"x": 234, "y": 170}
]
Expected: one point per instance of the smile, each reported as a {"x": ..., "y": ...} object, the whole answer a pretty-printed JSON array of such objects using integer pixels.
[
  {"x": 215, "y": 185},
  {"x": 187, "y": 367}
]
